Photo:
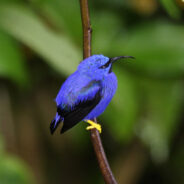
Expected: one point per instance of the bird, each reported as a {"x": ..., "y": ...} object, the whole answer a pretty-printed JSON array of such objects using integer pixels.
[{"x": 86, "y": 93}]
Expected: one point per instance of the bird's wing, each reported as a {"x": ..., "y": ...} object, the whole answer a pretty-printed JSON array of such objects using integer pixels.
[{"x": 83, "y": 100}]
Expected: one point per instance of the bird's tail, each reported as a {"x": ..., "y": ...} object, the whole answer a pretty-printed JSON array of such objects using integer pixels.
[{"x": 55, "y": 122}]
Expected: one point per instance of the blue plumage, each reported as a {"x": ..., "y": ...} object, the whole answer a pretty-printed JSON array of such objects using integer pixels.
[{"x": 86, "y": 93}]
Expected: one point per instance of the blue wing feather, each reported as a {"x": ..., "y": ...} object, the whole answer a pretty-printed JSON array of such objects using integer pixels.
[
  {"x": 76, "y": 98},
  {"x": 75, "y": 89}
]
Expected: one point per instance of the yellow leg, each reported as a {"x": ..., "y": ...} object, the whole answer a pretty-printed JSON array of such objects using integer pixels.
[{"x": 93, "y": 125}]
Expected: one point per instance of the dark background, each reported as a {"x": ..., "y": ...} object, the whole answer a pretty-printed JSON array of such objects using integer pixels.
[{"x": 143, "y": 130}]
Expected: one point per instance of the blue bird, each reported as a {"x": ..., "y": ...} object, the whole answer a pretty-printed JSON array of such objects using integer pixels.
[{"x": 86, "y": 93}]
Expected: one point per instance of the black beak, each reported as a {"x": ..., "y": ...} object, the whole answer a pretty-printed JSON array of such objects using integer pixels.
[{"x": 112, "y": 60}]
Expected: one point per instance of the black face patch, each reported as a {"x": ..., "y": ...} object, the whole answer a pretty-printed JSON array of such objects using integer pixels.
[
  {"x": 110, "y": 70},
  {"x": 106, "y": 65}
]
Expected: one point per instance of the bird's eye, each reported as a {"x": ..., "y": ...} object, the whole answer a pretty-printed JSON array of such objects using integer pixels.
[
  {"x": 106, "y": 65},
  {"x": 103, "y": 67}
]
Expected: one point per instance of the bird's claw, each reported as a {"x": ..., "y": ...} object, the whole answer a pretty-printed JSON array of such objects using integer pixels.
[{"x": 94, "y": 125}]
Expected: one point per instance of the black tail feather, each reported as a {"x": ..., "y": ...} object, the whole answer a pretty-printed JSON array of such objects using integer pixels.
[
  {"x": 54, "y": 123},
  {"x": 52, "y": 126}
]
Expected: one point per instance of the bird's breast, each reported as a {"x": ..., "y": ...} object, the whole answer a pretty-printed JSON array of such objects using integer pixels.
[{"x": 109, "y": 85}]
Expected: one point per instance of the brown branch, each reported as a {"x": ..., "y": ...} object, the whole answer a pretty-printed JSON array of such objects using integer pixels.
[
  {"x": 95, "y": 137},
  {"x": 86, "y": 28}
]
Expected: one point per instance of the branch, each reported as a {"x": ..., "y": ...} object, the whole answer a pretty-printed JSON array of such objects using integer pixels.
[{"x": 95, "y": 137}]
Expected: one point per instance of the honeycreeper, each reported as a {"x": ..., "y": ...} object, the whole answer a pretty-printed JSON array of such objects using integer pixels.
[{"x": 86, "y": 93}]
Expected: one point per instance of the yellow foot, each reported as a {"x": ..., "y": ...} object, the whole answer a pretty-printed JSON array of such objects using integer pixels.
[{"x": 93, "y": 125}]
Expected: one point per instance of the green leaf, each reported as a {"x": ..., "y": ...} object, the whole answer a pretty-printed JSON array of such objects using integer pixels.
[
  {"x": 55, "y": 11},
  {"x": 14, "y": 171},
  {"x": 12, "y": 64},
  {"x": 56, "y": 48},
  {"x": 107, "y": 28},
  {"x": 158, "y": 50},
  {"x": 159, "y": 122},
  {"x": 171, "y": 8}
]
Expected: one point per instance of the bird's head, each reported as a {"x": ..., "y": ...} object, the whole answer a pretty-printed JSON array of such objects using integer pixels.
[{"x": 98, "y": 66}]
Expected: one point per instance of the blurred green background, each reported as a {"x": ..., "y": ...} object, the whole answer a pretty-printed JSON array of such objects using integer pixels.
[{"x": 143, "y": 130}]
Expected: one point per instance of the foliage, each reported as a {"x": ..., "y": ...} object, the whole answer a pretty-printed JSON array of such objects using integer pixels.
[
  {"x": 10, "y": 51},
  {"x": 12, "y": 169},
  {"x": 149, "y": 100}
]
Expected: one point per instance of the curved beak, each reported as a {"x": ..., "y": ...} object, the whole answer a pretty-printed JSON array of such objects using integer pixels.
[{"x": 112, "y": 60}]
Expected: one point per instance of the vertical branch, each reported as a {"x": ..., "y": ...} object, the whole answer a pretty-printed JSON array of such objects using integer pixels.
[
  {"x": 86, "y": 28},
  {"x": 95, "y": 137}
]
